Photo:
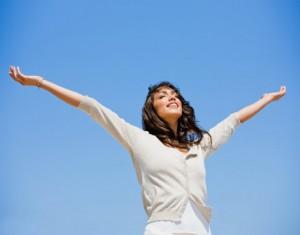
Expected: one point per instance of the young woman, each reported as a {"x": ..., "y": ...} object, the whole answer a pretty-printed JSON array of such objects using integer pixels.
[{"x": 168, "y": 154}]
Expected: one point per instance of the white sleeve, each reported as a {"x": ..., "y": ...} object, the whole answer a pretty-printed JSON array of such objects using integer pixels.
[
  {"x": 122, "y": 131},
  {"x": 222, "y": 132}
]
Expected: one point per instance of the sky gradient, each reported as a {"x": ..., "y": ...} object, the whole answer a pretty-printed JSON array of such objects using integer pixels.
[{"x": 61, "y": 173}]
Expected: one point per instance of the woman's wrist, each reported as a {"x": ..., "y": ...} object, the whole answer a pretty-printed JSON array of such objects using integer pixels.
[
  {"x": 39, "y": 82},
  {"x": 267, "y": 98}
]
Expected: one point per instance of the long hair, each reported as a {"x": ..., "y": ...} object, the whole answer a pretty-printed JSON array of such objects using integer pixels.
[{"x": 188, "y": 133}]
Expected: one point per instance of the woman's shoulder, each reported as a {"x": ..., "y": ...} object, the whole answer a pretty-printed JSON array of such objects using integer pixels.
[{"x": 205, "y": 141}]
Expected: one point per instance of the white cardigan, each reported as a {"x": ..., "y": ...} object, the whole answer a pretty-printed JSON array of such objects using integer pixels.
[
  {"x": 167, "y": 177},
  {"x": 192, "y": 222}
]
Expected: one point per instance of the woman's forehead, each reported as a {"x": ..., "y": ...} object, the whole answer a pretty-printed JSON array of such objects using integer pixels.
[{"x": 165, "y": 89}]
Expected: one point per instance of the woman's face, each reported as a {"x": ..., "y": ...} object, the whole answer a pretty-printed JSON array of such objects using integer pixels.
[{"x": 167, "y": 105}]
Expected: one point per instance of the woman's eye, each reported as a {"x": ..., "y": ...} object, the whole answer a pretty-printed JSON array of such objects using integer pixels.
[{"x": 161, "y": 96}]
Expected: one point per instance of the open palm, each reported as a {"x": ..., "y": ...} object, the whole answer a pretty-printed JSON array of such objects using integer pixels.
[
  {"x": 25, "y": 80},
  {"x": 275, "y": 95}
]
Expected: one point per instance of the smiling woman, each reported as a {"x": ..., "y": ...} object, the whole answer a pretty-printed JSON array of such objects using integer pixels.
[
  {"x": 168, "y": 107},
  {"x": 170, "y": 117},
  {"x": 169, "y": 153}
]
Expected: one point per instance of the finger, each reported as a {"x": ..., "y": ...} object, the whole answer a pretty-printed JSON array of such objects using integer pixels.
[
  {"x": 11, "y": 69},
  {"x": 18, "y": 76},
  {"x": 14, "y": 72},
  {"x": 11, "y": 73},
  {"x": 282, "y": 89},
  {"x": 14, "y": 75},
  {"x": 19, "y": 72}
]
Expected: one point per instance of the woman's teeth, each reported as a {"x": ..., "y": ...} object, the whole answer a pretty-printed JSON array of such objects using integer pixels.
[{"x": 173, "y": 105}]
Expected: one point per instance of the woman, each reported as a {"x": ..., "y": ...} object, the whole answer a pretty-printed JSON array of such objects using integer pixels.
[{"x": 168, "y": 153}]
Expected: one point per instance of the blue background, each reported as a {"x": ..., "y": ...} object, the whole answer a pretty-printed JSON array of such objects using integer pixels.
[{"x": 61, "y": 173}]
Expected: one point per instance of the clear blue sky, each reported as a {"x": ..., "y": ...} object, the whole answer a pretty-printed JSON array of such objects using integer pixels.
[{"x": 61, "y": 173}]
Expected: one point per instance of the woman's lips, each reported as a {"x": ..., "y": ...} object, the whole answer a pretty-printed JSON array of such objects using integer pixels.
[{"x": 173, "y": 105}]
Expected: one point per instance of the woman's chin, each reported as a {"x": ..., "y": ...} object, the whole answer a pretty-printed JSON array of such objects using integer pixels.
[{"x": 172, "y": 115}]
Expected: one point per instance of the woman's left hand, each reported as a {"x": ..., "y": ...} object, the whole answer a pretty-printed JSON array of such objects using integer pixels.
[{"x": 272, "y": 96}]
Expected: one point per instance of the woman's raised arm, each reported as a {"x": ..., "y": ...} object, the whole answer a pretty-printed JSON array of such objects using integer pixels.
[
  {"x": 126, "y": 133},
  {"x": 222, "y": 132},
  {"x": 249, "y": 111},
  {"x": 71, "y": 97}
]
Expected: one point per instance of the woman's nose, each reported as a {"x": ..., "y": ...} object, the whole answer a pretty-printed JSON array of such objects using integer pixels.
[{"x": 172, "y": 97}]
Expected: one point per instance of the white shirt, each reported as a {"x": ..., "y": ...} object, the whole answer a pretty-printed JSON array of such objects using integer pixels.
[
  {"x": 192, "y": 221},
  {"x": 168, "y": 179}
]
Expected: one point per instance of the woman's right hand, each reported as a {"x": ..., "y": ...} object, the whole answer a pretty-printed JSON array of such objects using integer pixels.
[{"x": 25, "y": 80}]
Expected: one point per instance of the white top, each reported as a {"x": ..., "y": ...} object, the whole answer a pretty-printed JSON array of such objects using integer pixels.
[
  {"x": 192, "y": 221},
  {"x": 167, "y": 177}
]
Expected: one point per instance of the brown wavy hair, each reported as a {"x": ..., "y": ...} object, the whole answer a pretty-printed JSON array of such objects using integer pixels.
[{"x": 188, "y": 132}]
